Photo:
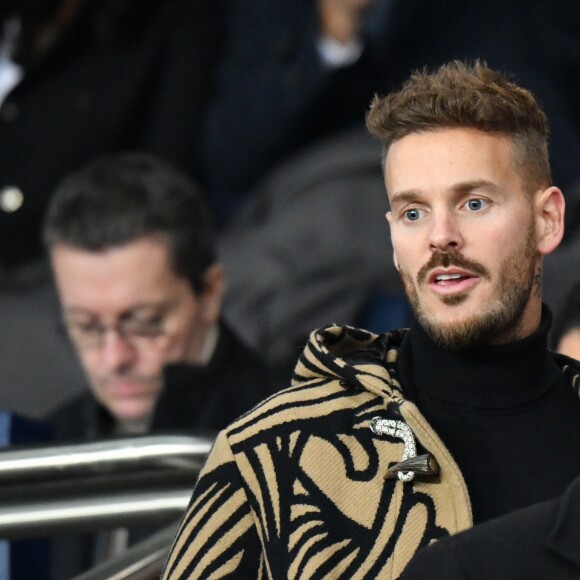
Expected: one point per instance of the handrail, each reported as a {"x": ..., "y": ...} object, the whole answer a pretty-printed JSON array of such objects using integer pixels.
[
  {"x": 98, "y": 485},
  {"x": 66, "y": 461},
  {"x": 23, "y": 520}
]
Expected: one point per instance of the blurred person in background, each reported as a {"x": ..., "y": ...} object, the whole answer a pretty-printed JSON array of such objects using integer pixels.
[
  {"x": 78, "y": 79},
  {"x": 281, "y": 64},
  {"x": 81, "y": 78},
  {"x": 132, "y": 250}
]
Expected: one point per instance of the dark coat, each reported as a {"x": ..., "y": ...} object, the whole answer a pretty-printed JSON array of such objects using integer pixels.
[
  {"x": 89, "y": 96},
  {"x": 194, "y": 399},
  {"x": 539, "y": 542}
]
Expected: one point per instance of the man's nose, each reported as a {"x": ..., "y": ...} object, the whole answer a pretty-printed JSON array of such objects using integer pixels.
[
  {"x": 116, "y": 352},
  {"x": 445, "y": 233}
]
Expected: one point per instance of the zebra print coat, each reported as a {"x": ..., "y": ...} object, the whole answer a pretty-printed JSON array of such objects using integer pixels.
[{"x": 296, "y": 488}]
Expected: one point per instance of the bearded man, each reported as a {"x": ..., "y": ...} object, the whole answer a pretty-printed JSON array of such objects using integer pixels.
[{"x": 386, "y": 443}]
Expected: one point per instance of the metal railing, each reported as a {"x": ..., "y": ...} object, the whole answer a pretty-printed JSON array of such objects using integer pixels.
[
  {"x": 65, "y": 461},
  {"x": 102, "y": 485}
]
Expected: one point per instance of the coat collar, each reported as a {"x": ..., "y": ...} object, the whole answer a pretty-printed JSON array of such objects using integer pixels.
[
  {"x": 366, "y": 360},
  {"x": 355, "y": 357}
]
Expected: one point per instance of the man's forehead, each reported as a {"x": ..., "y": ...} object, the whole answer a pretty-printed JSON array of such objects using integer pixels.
[
  {"x": 130, "y": 278},
  {"x": 142, "y": 261},
  {"x": 449, "y": 158}
]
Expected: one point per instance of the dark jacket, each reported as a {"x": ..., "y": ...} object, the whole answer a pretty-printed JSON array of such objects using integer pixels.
[
  {"x": 539, "y": 542},
  {"x": 90, "y": 95},
  {"x": 194, "y": 399}
]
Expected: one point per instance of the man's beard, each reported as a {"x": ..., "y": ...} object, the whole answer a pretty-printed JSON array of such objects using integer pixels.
[{"x": 498, "y": 321}]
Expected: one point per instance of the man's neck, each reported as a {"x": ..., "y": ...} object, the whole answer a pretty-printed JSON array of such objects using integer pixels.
[
  {"x": 129, "y": 427},
  {"x": 489, "y": 376},
  {"x": 209, "y": 345}
]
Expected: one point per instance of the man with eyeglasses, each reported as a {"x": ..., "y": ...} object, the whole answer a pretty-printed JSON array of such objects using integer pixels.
[{"x": 132, "y": 251}]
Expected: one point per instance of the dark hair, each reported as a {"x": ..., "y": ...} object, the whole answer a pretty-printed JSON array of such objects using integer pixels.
[
  {"x": 567, "y": 317},
  {"x": 118, "y": 198},
  {"x": 473, "y": 96}
]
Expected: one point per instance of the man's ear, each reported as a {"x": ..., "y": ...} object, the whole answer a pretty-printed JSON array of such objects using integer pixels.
[
  {"x": 550, "y": 207},
  {"x": 213, "y": 290},
  {"x": 396, "y": 261}
]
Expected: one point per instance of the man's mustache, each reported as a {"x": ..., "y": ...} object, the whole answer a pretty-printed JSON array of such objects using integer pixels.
[{"x": 452, "y": 258}]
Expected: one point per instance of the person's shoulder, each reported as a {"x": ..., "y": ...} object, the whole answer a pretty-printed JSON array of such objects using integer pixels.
[
  {"x": 341, "y": 370},
  {"x": 68, "y": 421},
  {"x": 318, "y": 400},
  {"x": 236, "y": 348},
  {"x": 71, "y": 405},
  {"x": 234, "y": 357}
]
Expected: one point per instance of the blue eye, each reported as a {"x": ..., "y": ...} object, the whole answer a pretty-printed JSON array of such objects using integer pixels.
[
  {"x": 412, "y": 215},
  {"x": 476, "y": 204}
]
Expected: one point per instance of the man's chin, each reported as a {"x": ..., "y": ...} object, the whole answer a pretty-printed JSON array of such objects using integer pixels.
[
  {"x": 455, "y": 331},
  {"x": 472, "y": 329},
  {"x": 450, "y": 311},
  {"x": 131, "y": 412},
  {"x": 129, "y": 408}
]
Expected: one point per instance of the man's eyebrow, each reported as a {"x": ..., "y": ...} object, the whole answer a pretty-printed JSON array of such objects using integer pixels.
[
  {"x": 79, "y": 310},
  {"x": 76, "y": 310},
  {"x": 404, "y": 196},
  {"x": 468, "y": 186},
  {"x": 461, "y": 188}
]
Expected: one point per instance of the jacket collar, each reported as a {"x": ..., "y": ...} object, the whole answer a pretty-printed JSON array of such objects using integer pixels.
[
  {"x": 365, "y": 360},
  {"x": 355, "y": 357}
]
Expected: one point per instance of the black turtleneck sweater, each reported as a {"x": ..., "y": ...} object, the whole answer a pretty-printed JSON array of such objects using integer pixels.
[{"x": 505, "y": 413}]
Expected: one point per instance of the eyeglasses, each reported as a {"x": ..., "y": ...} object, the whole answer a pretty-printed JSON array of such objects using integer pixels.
[{"x": 134, "y": 328}]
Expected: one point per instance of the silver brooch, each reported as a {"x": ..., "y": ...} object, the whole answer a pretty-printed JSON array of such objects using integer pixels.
[{"x": 402, "y": 431}]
